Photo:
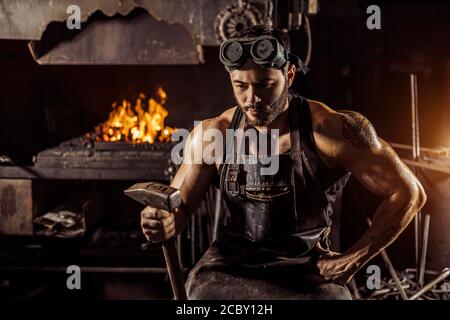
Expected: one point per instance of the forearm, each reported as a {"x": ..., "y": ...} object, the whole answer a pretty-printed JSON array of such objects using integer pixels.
[
  {"x": 376, "y": 165},
  {"x": 391, "y": 218},
  {"x": 188, "y": 208}
]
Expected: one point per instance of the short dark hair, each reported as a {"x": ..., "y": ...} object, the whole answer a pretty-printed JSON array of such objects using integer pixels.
[{"x": 264, "y": 30}]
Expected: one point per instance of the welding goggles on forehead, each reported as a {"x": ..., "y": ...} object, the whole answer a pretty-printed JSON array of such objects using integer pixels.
[{"x": 265, "y": 51}]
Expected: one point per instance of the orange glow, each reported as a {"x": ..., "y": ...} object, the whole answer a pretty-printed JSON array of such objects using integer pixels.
[{"x": 144, "y": 122}]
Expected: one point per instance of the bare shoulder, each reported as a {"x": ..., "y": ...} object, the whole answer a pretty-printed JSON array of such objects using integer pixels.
[
  {"x": 196, "y": 139},
  {"x": 342, "y": 132},
  {"x": 227, "y": 115},
  {"x": 357, "y": 129},
  {"x": 221, "y": 122}
]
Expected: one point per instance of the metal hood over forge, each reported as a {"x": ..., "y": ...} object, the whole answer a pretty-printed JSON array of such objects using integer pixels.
[{"x": 123, "y": 32}]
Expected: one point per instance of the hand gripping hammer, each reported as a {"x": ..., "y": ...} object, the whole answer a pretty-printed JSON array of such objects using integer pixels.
[{"x": 161, "y": 196}]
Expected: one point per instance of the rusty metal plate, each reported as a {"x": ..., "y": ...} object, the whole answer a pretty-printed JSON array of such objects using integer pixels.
[
  {"x": 140, "y": 39},
  {"x": 16, "y": 207},
  {"x": 171, "y": 32},
  {"x": 28, "y": 19}
]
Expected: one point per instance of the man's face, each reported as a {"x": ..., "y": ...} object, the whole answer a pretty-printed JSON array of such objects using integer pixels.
[{"x": 260, "y": 92}]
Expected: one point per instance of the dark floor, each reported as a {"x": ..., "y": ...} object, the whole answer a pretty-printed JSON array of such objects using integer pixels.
[{"x": 98, "y": 286}]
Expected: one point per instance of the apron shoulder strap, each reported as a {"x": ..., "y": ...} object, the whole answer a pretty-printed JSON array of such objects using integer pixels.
[
  {"x": 227, "y": 146},
  {"x": 298, "y": 182}
]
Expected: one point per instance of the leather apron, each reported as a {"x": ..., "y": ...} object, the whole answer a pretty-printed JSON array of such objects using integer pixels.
[{"x": 275, "y": 222}]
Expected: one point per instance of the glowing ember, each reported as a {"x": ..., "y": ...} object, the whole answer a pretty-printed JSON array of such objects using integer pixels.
[{"x": 144, "y": 122}]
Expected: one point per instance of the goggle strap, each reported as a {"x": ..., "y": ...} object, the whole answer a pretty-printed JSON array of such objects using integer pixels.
[{"x": 298, "y": 63}]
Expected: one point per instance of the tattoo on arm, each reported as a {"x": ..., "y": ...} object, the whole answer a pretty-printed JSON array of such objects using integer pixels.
[{"x": 358, "y": 130}]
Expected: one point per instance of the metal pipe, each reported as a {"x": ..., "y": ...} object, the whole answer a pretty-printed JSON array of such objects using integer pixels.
[
  {"x": 415, "y": 155},
  {"x": 414, "y": 114},
  {"x": 416, "y": 117},
  {"x": 445, "y": 273},
  {"x": 423, "y": 258},
  {"x": 393, "y": 274},
  {"x": 217, "y": 211},
  {"x": 425, "y": 165},
  {"x": 192, "y": 227}
]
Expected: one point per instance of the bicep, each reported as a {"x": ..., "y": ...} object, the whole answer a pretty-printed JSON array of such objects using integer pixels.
[
  {"x": 194, "y": 176},
  {"x": 370, "y": 159}
]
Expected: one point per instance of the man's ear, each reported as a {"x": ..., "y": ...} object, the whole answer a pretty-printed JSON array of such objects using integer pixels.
[{"x": 290, "y": 75}]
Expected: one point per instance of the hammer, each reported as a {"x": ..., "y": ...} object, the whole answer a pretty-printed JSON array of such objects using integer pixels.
[{"x": 161, "y": 196}]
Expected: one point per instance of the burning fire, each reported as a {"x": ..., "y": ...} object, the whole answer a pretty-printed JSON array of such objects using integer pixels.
[{"x": 144, "y": 122}]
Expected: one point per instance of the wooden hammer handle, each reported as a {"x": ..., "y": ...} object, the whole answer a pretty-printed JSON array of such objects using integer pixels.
[{"x": 174, "y": 269}]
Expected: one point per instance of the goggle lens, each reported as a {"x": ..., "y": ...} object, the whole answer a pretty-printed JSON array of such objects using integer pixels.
[
  {"x": 263, "y": 50},
  {"x": 233, "y": 51}
]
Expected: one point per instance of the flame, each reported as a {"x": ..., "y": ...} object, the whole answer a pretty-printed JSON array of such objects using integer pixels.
[{"x": 142, "y": 123}]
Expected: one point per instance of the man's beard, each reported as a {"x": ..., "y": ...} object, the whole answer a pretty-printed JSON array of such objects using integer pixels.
[{"x": 267, "y": 113}]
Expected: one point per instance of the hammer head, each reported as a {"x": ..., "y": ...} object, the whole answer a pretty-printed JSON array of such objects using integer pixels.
[{"x": 156, "y": 195}]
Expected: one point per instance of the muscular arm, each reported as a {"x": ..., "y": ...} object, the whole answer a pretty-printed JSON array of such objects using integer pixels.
[
  {"x": 192, "y": 179},
  {"x": 373, "y": 162},
  {"x": 194, "y": 175}
]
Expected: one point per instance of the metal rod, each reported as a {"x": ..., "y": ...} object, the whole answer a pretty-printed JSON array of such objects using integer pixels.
[
  {"x": 415, "y": 155},
  {"x": 355, "y": 289},
  {"x": 217, "y": 211},
  {"x": 211, "y": 214},
  {"x": 391, "y": 269},
  {"x": 445, "y": 273},
  {"x": 425, "y": 165},
  {"x": 269, "y": 10},
  {"x": 192, "y": 240},
  {"x": 414, "y": 113},
  {"x": 423, "y": 258},
  {"x": 275, "y": 13},
  {"x": 290, "y": 19},
  {"x": 200, "y": 233},
  {"x": 179, "y": 244},
  {"x": 393, "y": 274},
  {"x": 441, "y": 151},
  {"x": 416, "y": 117}
]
